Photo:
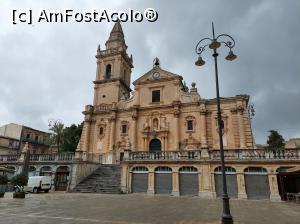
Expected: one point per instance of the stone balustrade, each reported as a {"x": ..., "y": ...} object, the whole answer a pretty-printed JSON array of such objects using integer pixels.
[
  {"x": 230, "y": 154},
  {"x": 166, "y": 155},
  {"x": 58, "y": 157},
  {"x": 9, "y": 158}
]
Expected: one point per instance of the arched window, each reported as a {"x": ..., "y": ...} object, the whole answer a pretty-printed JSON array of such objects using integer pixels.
[
  {"x": 163, "y": 169},
  {"x": 283, "y": 169},
  {"x": 45, "y": 171},
  {"x": 108, "y": 71},
  {"x": 188, "y": 169},
  {"x": 228, "y": 170},
  {"x": 140, "y": 169},
  {"x": 62, "y": 169},
  {"x": 256, "y": 170}
]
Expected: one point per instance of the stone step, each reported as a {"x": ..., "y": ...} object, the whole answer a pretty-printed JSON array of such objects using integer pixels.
[{"x": 106, "y": 179}]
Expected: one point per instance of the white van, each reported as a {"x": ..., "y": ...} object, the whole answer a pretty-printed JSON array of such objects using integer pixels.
[{"x": 38, "y": 183}]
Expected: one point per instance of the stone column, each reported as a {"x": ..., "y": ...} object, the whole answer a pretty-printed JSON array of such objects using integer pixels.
[
  {"x": 134, "y": 130},
  {"x": 151, "y": 180},
  {"x": 112, "y": 152},
  {"x": 176, "y": 133},
  {"x": 241, "y": 126},
  {"x": 112, "y": 133},
  {"x": 87, "y": 135},
  {"x": 203, "y": 128},
  {"x": 129, "y": 184},
  {"x": 177, "y": 126},
  {"x": 241, "y": 185},
  {"x": 166, "y": 143},
  {"x": 175, "y": 182},
  {"x": 206, "y": 189},
  {"x": 273, "y": 187},
  {"x": 145, "y": 144}
]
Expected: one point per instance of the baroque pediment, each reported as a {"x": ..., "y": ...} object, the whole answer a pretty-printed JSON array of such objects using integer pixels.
[{"x": 163, "y": 75}]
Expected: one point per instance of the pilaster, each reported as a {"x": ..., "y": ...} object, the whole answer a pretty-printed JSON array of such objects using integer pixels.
[
  {"x": 241, "y": 186},
  {"x": 240, "y": 111},
  {"x": 274, "y": 196},
  {"x": 150, "y": 190},
  {"x": 203, "y": 128},
  {"x": 206, "y": 189},
  {"x": 177, "y": 125},
  {"x": 134, "y": 129},
  {"x": 175, "y": 182}
]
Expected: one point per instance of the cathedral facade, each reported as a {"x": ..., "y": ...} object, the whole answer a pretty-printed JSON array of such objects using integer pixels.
[
  {"x": 164, "y": 135},
  {"x": 160, "y": 114}
]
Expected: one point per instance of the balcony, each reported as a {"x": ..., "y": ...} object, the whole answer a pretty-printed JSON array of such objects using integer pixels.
[
  {"x": 214, "y": 155},
  {"x": 32, "y": 141}
]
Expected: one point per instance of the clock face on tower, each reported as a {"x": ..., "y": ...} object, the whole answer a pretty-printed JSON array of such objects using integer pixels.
[{"x": 156, "y": 75}]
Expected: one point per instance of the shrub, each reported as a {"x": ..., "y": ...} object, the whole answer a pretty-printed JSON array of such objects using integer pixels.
[
  {"x": 3, "y": 179},
  {"x": 20, "y": 180}
]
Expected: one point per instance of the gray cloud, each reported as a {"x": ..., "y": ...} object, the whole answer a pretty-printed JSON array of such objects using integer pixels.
[{"x": 47, "y": 70}]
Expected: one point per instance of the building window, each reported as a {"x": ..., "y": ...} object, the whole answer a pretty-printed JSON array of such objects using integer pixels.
[
  {"x": 190, "y": 125},
  {"x": 108, "y": 71},
  {"x": 156, "y": 96},
  {"x": 101, "y": 131},
  {"x": 28, "y": 136},
  {"x": 36, "y": 138},
  {"x": 124, "y": 129}
]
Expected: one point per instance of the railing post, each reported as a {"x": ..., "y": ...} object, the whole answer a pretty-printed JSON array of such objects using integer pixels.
[{"x": 127, "y": 154}]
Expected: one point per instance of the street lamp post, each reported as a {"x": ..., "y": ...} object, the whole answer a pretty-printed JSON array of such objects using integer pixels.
[{"x": 214, "y": 43}]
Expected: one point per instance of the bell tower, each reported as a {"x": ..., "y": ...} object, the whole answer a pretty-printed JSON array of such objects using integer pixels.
[{"x": 113, "y": 69}]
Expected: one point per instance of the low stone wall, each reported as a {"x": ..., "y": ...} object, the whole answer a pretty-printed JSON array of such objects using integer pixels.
[{"x": 80, "y": 171}]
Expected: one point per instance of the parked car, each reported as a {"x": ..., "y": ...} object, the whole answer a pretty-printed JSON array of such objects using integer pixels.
[{"x": 36, "y": 184}]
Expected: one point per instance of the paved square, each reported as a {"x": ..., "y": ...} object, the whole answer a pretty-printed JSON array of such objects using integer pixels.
[{"x": 69, "y": 208}]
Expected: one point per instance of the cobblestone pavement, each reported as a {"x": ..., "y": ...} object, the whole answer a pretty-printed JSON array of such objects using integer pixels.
[{"x": 70, "y": 208}]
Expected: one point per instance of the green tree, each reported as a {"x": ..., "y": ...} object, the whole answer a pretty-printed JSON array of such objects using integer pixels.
[
  {"x": 56, "y": 136},
  {"x": 275, "y": 141},
  {"x": 71, "y": 137}
]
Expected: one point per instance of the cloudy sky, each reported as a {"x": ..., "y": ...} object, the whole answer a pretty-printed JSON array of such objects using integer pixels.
[{"x": 47, "y": 69}]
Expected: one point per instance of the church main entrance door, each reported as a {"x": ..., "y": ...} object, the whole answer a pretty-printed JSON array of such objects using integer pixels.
[{"x": 155, "y": 145}]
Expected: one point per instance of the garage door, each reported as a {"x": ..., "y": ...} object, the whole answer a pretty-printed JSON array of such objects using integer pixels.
[
  {"x": 163, "y": 180},
  {"x": 231, "y": 180},
  {"x": 188, "y": 181},
  {"x": 139, "y": 179},
  {"x": 257, "y": 183}
]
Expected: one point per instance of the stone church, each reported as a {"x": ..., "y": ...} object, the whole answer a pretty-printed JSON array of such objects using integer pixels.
[
  {"x": 160, "y": 114},
  {"x": 161, "y": 137}
]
